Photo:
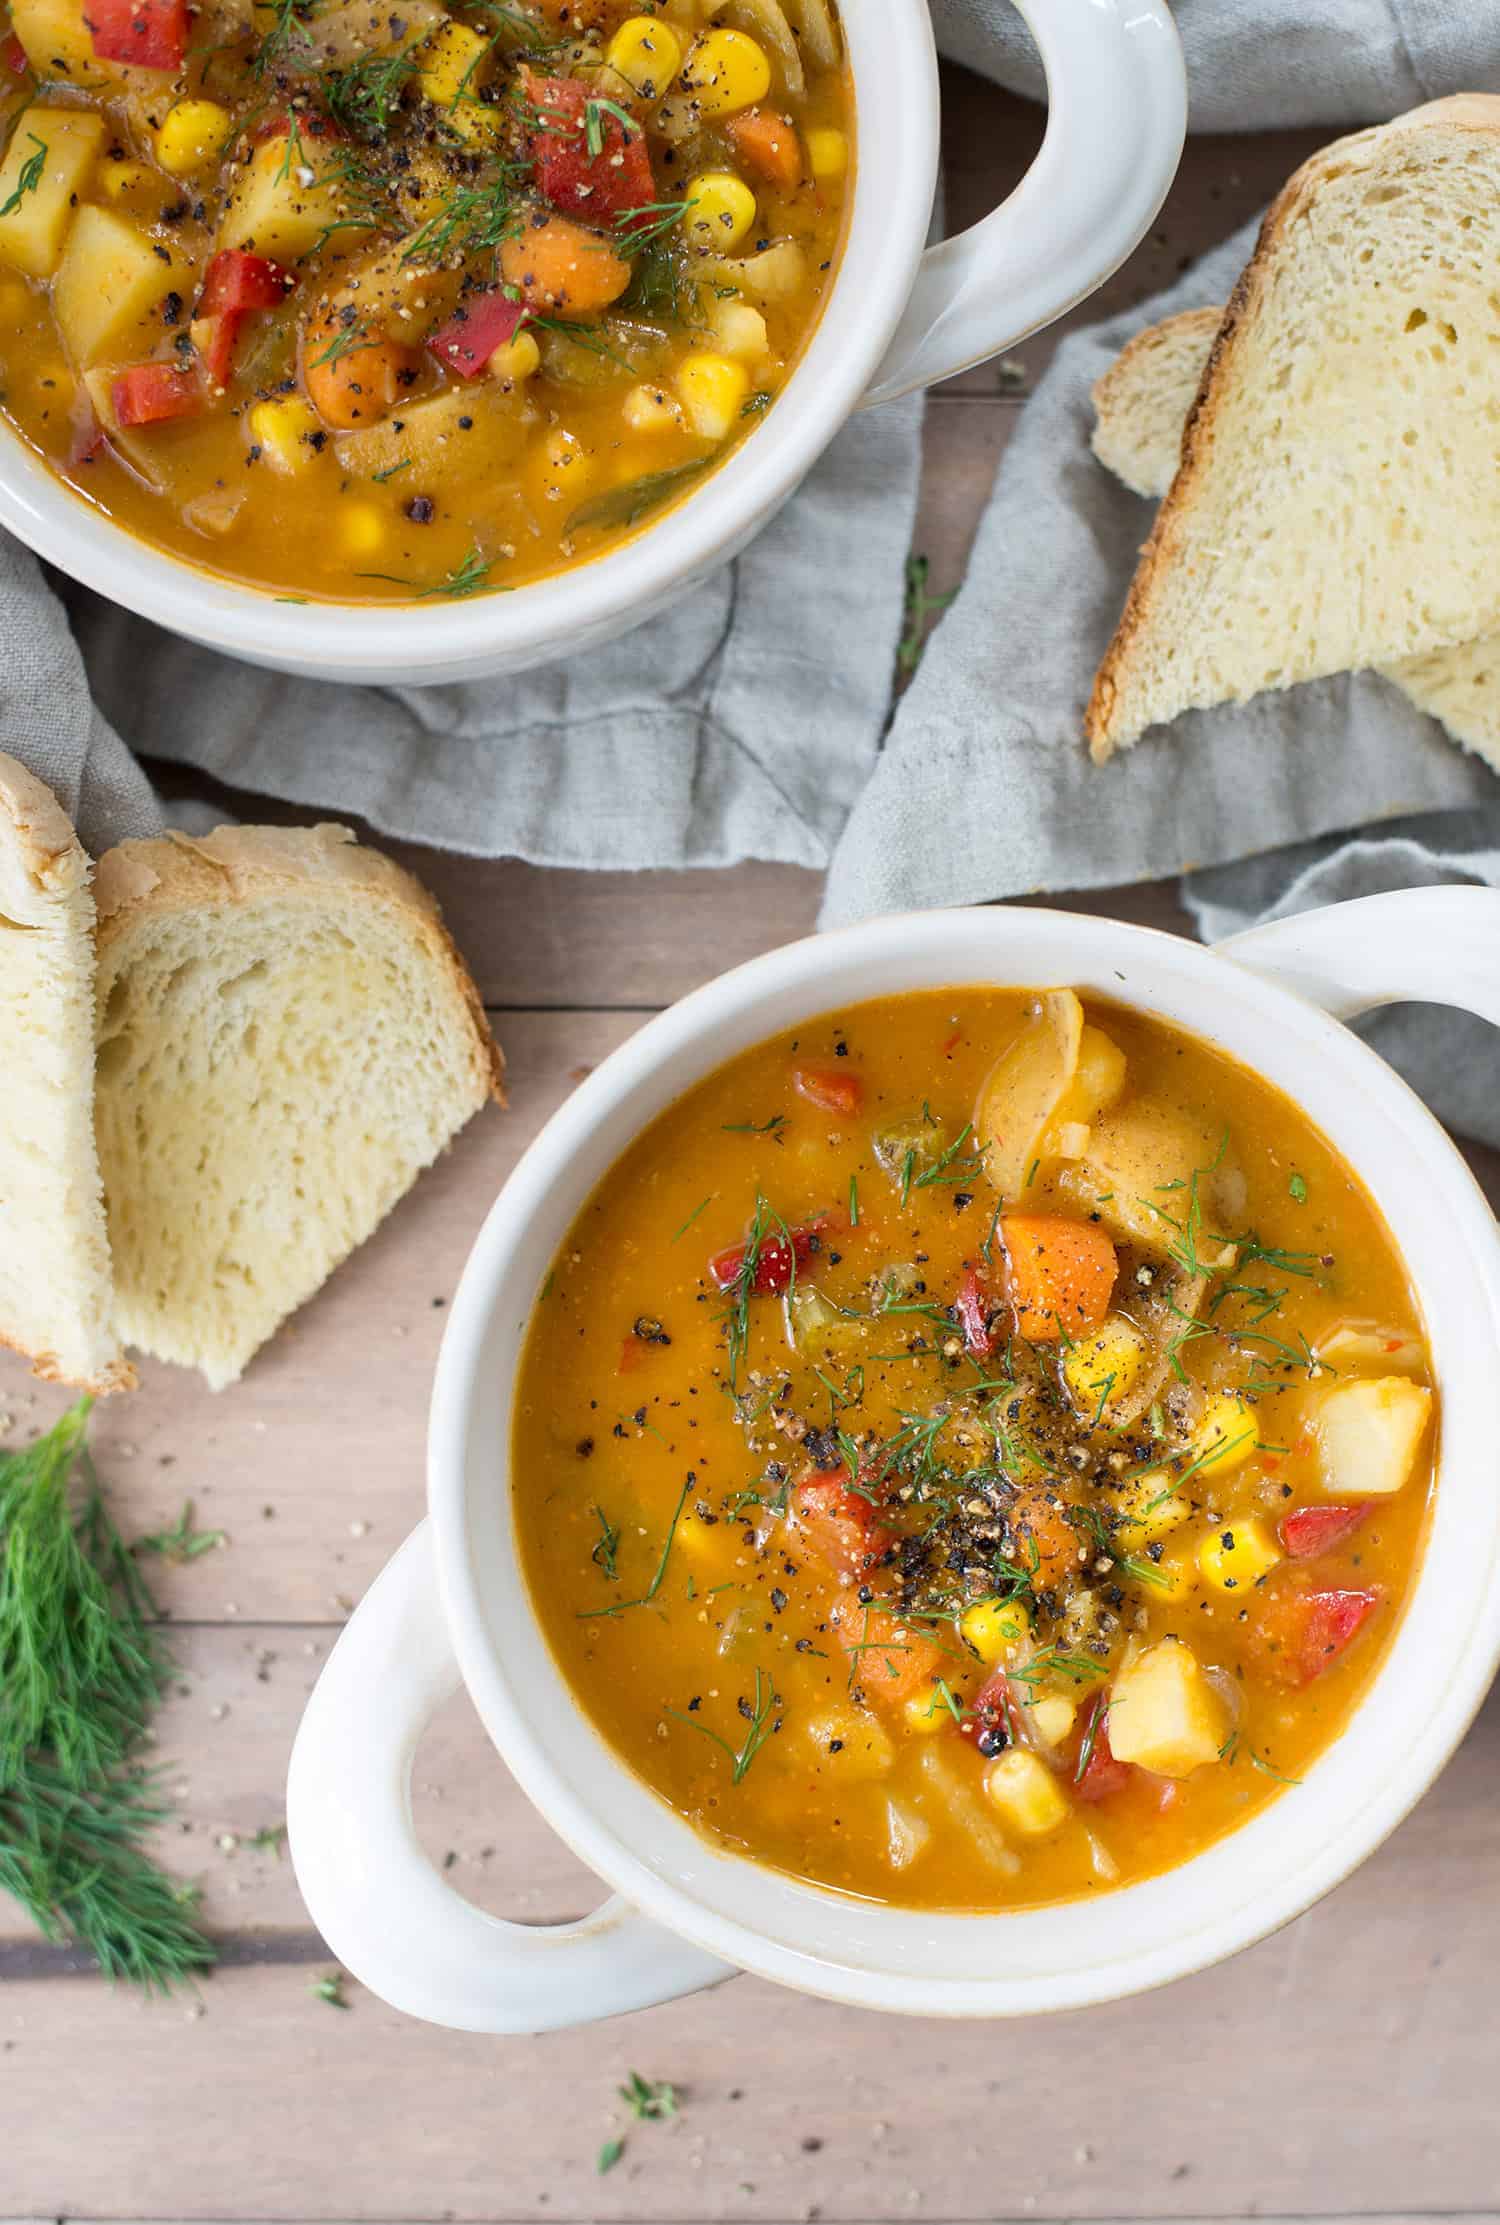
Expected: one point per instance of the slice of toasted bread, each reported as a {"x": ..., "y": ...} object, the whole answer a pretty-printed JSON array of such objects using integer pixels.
[
  {"x": 287, "y": 1036},
  {"x": 1143, "y": 402},
  {"x": 1335, "y": 505},
  {"x": 55, "y": 1290}
]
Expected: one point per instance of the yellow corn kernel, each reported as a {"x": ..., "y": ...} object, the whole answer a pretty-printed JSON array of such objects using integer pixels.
[
  {"x": 724, "y": 72},
  {"x": 116, "y": 179},
  {"x": 1103, "y": 1368},
  {"x": 1053, "y": 1718},
  {"x": 722, "y": 210},
  {"x": 650, "y": 409},
  {"x": 1174, "y": 1576},
  {"x": 280, "y": 431},
  {"x": 827, "y": 153},
  {"x": 647, "y": 54},
  {"x": 994, "y": 1626},
  {"x": 929, "y": 1711},
  {"x": 361, "y": 528},
  {"x": 449, "y": 66},
  {"x": 712, "y": 389},
  {"x": 192, "y": 136},
  {"x": 1237, "y": 1555},
  {"x": 515, "y": 360},
  {"x": 1148, "y": 1508},
  {"x": 740, "y": 331},
  {"x": 1025, "y": 1791},
  {"x": 1225, "y": 1436},
  {"x": 698, "y": 1538}
]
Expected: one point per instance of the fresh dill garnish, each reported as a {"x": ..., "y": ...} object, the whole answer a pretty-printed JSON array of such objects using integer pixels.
[
  {"x": 649, "y": 2099},
  {"x": 349, "y": 337},
  {"x": 81, "y": 1671},
  {"x": 269, "y": 1839},
  {"x": 330, "y": 1990},
  {"x": 285, "y": 44},
  {"x": 619, "y": 1606},
  {"x": 379, "y": 478},
  {"x": 610, "y": 2154},
  {"x": 470, "y": 576},
  {"x": 1078, "y": 1668},
  {"x": 365, "y": 96},
  {"x": 767, "y": 1222},
  {"x": 920, "y": 610},
  {"x": 948, "y": 1168},
  {"x": 1230, "y": 1752},
  {"x": 1098, "y": 1718},
  {"x": 854, "y": 1201},
  {"x": 754, "y": 1127},
  {"x": 702, "y": 1204},
  {"x": 183, "y": 1542},
  {"x": 759, "y": 1713},
  {"x": 606, "y": 1546},
  {"x": 28, "y": 177},
  {"x": 636, "y": 229},
  {"x": 471, "y": 222}
]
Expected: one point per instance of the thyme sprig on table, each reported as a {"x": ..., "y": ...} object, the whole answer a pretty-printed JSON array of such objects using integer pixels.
[{"x": 82, "y": 1667}]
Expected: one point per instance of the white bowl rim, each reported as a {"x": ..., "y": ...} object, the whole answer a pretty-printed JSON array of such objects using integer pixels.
[
  {"x": 1244, "y": 1886},
  {"x": 893, "y": 64}
]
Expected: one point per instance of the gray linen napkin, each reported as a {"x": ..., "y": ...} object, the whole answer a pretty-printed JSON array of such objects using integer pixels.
[{"x": 1265, "y": 65}]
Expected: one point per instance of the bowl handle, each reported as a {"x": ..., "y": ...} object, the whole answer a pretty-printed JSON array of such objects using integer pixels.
[
  {"x": 382, "y": 1907},
  {"x": 1116, "y": 118},
  {"x": 1423, "y": 945}
]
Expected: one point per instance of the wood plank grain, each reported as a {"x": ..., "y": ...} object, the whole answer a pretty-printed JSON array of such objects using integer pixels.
[{"x": 1346, "y": 2066}]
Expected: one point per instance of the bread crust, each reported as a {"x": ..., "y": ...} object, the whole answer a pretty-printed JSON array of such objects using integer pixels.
[
  {"x": 1466, "y": 112},
  {"x": 145, "y": 878}
]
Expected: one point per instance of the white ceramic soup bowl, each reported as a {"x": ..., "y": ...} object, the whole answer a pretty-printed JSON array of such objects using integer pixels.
[
  {"x": 898, "y": 318},
  {"x": 454, "y": 1605}
]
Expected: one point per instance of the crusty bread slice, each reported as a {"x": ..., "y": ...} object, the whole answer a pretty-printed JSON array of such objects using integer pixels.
[
  {"x": 286, "y": 1038},
  {"x": 55, "y": 1291},
  {"x": 1336, "y": 501},
  {"x": 1143, "y": 403}
]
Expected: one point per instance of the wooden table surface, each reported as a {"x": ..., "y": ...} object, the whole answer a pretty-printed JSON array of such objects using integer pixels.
[{"x": 1348, "y": 2067}]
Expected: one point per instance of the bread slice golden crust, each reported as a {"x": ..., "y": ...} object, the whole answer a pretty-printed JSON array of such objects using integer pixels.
[
  {"x": 56, "y": 1296},
  {"x": 1143, "y": 401},
  {"x": 1136, "y": 686},
  {"x": 287, "y": 1037}
]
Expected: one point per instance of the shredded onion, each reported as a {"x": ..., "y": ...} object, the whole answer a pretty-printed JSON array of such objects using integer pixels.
[{"x": 814, "y": 19}]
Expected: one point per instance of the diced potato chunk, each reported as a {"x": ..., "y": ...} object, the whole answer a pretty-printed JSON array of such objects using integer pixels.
[
  {"x": 57, "y": 40},
  {"x": 1097, "y": 1081},
  {"x": 1053, "y": 1717},
  {"x": 275, "y": 212},
  {"x": 1369, "y": 1434},
  {"x": 46, "y": 167},
  {"x": 1365, "y": 1344},
  {"x": 1164, "y": 1714},
  {"x": 462, "y": 433},
  {"x": 1027, "y": 1795},
  {"x": 109, "y": 288},
  {"x": 1106, "y": 1366}
]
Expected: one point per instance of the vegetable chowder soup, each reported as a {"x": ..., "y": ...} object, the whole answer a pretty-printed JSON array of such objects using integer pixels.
[
  {"x": 384, "y": 302},
  {"x": 974, "y": 1450}
]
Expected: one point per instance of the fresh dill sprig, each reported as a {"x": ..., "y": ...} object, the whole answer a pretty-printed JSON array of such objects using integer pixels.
[
  {"x": 28, "y": 177},
  {"x": 183, "y": 1542},
  {"x": 467, "y": 579},
  {"x": 759, "y": 1713},
  {"x": 365, "y": 96},
  {"x": 649, "y": 2099},
  {"x": 81, "y": 1671}
]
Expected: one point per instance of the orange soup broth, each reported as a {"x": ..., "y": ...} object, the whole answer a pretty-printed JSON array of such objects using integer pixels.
[{"x": 615, "y": 1433}]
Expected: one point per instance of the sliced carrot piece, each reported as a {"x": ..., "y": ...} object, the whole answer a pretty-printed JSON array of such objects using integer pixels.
[
  {"x": 1044, "y": 1534},
  {"x": 768, "y": 144},
  {"x": 557, "y": 264},
  {"x": 1059, "y": 1276},
  {"x": 891, "y": 1658}
]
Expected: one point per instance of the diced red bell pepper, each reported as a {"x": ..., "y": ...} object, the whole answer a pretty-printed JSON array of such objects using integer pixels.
[
  {"x": 1100, "y": 1775},
  {"x": 586, "y": 162},
  {"x": 972, "y": 1306},
  {"x": 990, "y": 1717},
  {"x": 234, "y": 284},
  {"x": 152, "y": 392},
  {"x": 1299, "y": 1632},
  {"x": 482, "y": 324},
  {"x": 830, "y": 1088},
  {"x": 13, "y": 54},
  {"x": 774, "y": 1261},
  {"x": 148, "y": 34},
  {"x": 1307, "y": 1531},
  {"x": 839, "y": 1524}
]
